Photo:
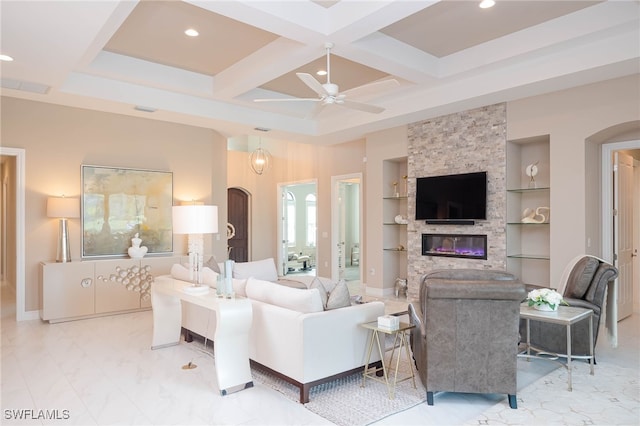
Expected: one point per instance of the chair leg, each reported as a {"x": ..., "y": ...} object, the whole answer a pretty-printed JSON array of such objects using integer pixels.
[
  {"x": 430, "y": 398},
  {"x": 512, "y": 401}
]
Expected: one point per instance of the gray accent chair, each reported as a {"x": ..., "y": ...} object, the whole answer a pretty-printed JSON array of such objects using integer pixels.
[
  {"x": 466, "y": 334},
  {"x": 586, "y": 288}
]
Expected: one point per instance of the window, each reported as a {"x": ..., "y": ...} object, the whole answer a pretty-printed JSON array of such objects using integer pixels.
[
  {"x": 310, "y": 203},
  {"x": 291, "y": 219}
]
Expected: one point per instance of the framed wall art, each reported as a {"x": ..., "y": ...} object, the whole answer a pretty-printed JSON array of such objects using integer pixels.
[{"x": 118, "y": 203}]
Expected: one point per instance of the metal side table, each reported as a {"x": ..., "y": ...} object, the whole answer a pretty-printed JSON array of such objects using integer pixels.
[
  {"x": 565, "y": 315},
  {"x": 400, "y": 343}
]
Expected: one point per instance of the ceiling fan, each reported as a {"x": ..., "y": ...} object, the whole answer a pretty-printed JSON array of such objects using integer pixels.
[{"x": 329, "y": 93}]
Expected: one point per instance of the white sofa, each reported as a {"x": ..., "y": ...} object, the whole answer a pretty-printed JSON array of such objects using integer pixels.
[{"x": 292, "y": 334}]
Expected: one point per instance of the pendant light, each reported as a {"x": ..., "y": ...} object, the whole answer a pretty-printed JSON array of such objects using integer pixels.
[{"x": 260, "y": 160}]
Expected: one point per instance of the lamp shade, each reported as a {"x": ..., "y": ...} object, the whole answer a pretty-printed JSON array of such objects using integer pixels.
[
  {"x": 63, "y": 207},
  {"x": 195, "y": 219}
]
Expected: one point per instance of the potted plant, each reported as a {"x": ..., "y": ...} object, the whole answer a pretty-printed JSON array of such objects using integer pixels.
[{"x": 545, "y": 299}]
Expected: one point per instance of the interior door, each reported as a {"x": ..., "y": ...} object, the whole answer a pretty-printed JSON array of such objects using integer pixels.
[
  {"x": 238, "y": 225},
  {"x": 623, "y": 231}
]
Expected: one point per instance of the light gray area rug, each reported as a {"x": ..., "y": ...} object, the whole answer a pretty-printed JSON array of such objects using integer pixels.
[
  {"x": 610, "y": 397},
  {"x": 345, "y": 402}
]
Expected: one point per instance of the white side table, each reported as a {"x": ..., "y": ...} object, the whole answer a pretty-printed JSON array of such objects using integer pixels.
[
  {"x": 231, "y": 339},
  {"x": 565, "y": 315},
  {"x": 399, "y": 342}
]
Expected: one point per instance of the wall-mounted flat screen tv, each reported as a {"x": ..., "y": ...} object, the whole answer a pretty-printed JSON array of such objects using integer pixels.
[{"x": 452, "y": 197}]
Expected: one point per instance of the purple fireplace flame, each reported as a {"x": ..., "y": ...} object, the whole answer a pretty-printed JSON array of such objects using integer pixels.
[{"x": 455, "y": 245}]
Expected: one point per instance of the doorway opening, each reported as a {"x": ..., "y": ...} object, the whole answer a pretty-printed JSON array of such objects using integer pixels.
[
  {"x": 346, "y": 202},
  {"x": 13, "y": 215},
  {"x": 297, "y": 229}
]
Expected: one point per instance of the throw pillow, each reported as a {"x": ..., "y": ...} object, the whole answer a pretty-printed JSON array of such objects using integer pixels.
[
  {"x": 324, "y": 296},
  {"x": 581, "y": 276},
  {"x": 264, "y": 269},
  {"x": 214, "y": 265},
  {"x": 303, "y": 301},
  {"x": 180, "y": 272},
  {"x": 339, "y": 296}
]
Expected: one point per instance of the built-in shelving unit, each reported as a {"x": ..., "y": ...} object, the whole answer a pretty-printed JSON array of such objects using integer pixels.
[
  {"x": 394, "y": 235},
  {"x": 529, "y": 210}
]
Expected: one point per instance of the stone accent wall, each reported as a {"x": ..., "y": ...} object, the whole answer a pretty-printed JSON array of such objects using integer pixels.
[{"x": 470, "y": 141}]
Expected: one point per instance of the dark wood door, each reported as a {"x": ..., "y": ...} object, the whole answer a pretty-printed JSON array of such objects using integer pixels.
[{"x": 238, "y": 216}]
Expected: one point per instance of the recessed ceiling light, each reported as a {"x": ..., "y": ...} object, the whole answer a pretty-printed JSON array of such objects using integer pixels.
[
  {"x": 321, "y": 72},
  {"x": 6, "y": 58},
  {"x": 485, "y": 4},
  {"x": 192, "y": 32}
]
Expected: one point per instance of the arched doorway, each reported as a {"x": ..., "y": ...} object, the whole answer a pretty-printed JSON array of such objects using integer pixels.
[{"x": 238, "y": 225}]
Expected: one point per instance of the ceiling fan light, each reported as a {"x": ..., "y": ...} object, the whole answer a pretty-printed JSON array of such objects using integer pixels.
[{"x": 260, "y": 160}]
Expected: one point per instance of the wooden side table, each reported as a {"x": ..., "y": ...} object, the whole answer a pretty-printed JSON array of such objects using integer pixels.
[
  {"x": 565, "y": 315},
  {"x": 399, "y": 342}
]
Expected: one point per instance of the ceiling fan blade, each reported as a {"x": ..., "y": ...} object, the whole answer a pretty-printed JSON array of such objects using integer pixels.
[
  {"x": 287, "y": 100},
  {"x": 360, "y": 106},
  {"x": 371, "y": 88},
  {"x": 314, "y": 84},
  {"x": 315, "y": 111}
]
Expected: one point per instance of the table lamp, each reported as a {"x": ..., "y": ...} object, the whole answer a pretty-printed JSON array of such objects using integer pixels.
[
  {"x": 63, "y": 208},
  {"x": 195, "y": 220}
]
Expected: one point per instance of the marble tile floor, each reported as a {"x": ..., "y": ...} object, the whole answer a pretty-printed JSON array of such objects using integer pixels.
[{"x": 102, "y": 371}]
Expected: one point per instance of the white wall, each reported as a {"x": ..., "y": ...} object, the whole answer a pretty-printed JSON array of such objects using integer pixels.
[
  {"x": 573, "y": 118},
  {"x": 58, "y": 140}
]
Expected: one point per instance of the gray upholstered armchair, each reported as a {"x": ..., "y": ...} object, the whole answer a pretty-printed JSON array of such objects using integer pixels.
[
  {"x": 466, "y": 334},
  {"x": 586, "y": 287}
]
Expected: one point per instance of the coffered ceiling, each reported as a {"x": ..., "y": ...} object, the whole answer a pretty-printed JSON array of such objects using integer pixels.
[{"x": 445, "y": 55}]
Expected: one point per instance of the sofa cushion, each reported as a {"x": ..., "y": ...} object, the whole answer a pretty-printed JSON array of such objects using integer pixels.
[
  {"x": 299, "y": 300},
  {"x": 581, "y": 277},
  {"x": 264, "y": 269},
  {"x": 339, "y": 296}
]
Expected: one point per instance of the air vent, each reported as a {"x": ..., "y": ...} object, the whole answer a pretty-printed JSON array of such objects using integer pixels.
[
  {"x": 145, "y": 108},
  {"x": 26, "y": 86}
]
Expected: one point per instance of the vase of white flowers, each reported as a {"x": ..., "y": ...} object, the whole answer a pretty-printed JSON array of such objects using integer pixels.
[{"x": 545, "y": 299}]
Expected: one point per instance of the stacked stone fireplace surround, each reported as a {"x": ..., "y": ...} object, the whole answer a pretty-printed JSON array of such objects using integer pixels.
[{"x": 470, "y": 141}]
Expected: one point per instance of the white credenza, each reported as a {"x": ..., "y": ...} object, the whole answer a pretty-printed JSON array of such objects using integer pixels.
[{"x": 83, "y": 289}]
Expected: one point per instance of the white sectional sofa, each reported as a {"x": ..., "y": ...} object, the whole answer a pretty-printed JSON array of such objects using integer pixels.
[{"x": 293, "y": 334}]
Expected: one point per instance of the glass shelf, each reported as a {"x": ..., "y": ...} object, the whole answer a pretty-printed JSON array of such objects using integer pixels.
[
  {"x": 394, "y": 249},
  {"x": 529, "y": 256},
  {"x": 397, "y": 224},
  {"x": 401, "y": 197},
  {"x": 524, "y": 190}
]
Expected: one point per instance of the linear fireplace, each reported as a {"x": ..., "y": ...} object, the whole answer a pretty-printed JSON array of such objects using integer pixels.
[{"x": 455, "y": 245}]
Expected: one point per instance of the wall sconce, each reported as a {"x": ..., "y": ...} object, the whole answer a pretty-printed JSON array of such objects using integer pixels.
[
  {"x": 260, "y": 160},
  {"x": 63, "y": 208},
  {"x": 195, "y": 220}
]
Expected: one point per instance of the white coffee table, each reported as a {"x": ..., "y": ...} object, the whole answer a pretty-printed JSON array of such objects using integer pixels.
[{"x": 565, "y": 315}]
